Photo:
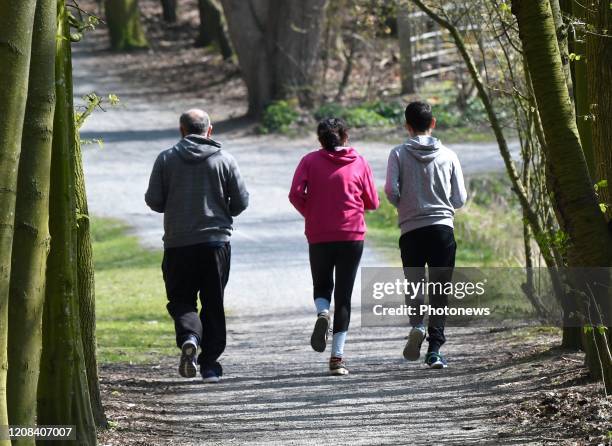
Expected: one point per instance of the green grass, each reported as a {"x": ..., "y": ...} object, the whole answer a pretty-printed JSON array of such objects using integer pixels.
[
  {"x": 132, "y": 322},
  {"x": 488, "y": 229}
]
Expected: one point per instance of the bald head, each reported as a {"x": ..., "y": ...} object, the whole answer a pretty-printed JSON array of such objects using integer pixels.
[{"x": 195, "y": 122}]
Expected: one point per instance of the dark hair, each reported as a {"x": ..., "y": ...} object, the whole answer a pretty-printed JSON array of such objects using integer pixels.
[
  {"x": 418, "y": 116},
  {"x": 194, "y": 123},
  {"x": 332, "y": 132}
]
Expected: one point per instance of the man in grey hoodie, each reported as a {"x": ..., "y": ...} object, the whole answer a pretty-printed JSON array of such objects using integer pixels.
[
  {"x": 198, "y": 188},
  {"x": 425, "y": 183}
]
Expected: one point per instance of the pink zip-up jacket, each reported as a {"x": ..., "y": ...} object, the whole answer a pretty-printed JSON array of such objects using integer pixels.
[{"x": 332, "y": 190}]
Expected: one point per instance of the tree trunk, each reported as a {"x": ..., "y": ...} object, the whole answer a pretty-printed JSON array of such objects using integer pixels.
[
  {"x": 63, "y": 396},
  {"x": 31, "y": 239},
  {"x": 569, "y": 181},
  {"x": 599, "y": 79},
  {"x": 581, "y": 95},
  {"x": 567, "y": 173},
  {"x": 123, "y": 21},
  {"x": 348, "y": 66},
  {"x": 277, "y": 42},
  {"x": 169, "y": 10},
  {"x": 16, "y": 23},
  {"x": 86, "y": 289},
  {"x": 561, "y": 33},
  {"x": 404, "y": 34},
  {"x": 599, "y": 75},
  {"x": 211, "y": 28}
]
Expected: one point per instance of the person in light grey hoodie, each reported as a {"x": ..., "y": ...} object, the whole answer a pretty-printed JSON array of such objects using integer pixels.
[
  {"x": 198, "y": 188},
  {"x": 425, "y": 183}
]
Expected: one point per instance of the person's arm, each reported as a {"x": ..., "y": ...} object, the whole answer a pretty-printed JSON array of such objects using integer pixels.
[
  {"x": 392, "y": 183},
  {"x": 297, "y": 193},
  {"x": 155, "y": 197},
  {"x": 458, "y": 193},
  {"x": 369, "y": 195},
  {"x": 237, "y": 191}
]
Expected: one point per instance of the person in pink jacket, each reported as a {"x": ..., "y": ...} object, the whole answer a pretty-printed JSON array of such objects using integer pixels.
[{"x": 332, "y": 188}]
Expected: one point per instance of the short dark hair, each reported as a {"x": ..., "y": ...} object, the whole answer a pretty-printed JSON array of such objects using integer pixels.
[
  {"x": 195, "y": 123},
  {"x": 418, "y": 116},
  {"x": 332, "y": 133}
]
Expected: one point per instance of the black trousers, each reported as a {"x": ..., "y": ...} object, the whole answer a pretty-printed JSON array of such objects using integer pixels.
[
  {"x": 342, "y": 258},
  {"x": 203, "y": 269},
  {"x": 433, "y": 246}
]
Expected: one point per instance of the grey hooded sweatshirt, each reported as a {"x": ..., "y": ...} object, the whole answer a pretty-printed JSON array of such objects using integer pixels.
[
  {"x": 425, "y": 183},
  {"x": 198, "y": 188}
]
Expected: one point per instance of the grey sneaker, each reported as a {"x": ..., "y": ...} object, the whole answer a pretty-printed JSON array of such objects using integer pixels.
[
  {"x": 318, "y": 340},
  {"x": 412, "y": 350},
  {"x": 187, "y": 365},
  {"x": 337, "y": 367}
]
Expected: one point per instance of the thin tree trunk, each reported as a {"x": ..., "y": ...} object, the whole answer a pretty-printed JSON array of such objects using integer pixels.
[
  {"x": 517, "y": 185},
  {"x": 548, "y": 252},
  {"x": 16, "y": 23},
  {"x": 63, "y": 396},
  {"x": 212, "y": 29},
  {"x": 169, "y": 10},
  {"x": 581, "y": 93},
  {"x": 86, "y": 289},
  {"x": 404, "y": 34},
  {"x": 123, "y": 21},
  {"x": 31, "y": 239},
  {"x": 348, "y": 67}
]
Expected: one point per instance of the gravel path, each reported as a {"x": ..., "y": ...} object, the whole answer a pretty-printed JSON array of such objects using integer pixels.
[{"x": 276, "y": 390}]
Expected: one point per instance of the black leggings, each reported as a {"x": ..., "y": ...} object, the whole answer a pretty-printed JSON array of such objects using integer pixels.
[
  {"x": 344, "y": 258},
  {"x": 433, "y": 246}
]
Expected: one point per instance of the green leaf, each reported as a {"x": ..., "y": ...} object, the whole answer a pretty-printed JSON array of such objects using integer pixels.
[
  {"x": 588, "y": 329},
  {"x": 113, "y": 99},
  {"x": 603, "y": 207},
  {"x": 601, "y": 184},
  {"x": 602, "y": 330}
]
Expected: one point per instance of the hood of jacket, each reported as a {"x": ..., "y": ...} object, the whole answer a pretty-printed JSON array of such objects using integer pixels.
[
  {"x": 423, "y": 147},
  {"x": 196, "y": 148},
  {"x": 341, "y": 156}
]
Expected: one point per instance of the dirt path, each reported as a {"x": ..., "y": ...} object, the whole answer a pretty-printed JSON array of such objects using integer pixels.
[{"x": 276, "y": 390}]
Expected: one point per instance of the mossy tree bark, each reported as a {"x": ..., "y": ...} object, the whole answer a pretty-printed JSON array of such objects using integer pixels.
[
  {"x": 123, "y": 20},
  {"x": 31, "y": 239},
  {"x": 63, "y": 396},
  {"x": 16, "y": 23},
  {"x": 86, "y": 289}
]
